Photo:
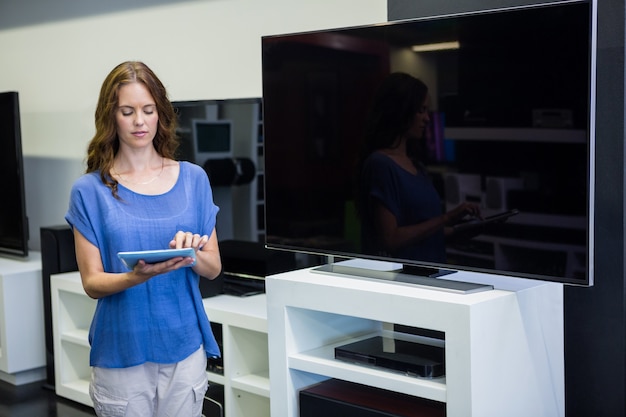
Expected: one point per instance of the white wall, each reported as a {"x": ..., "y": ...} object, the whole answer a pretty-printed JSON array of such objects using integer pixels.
[{"x": 203, "y": 49}]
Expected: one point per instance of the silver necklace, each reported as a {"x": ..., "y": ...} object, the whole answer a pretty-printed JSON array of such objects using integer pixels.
[{"x": 150, "y": 181}]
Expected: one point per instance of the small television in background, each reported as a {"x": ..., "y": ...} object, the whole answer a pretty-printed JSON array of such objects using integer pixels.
[
  {"x": 13, "y": 218},
  {"x": 212, "y": 139},
  {"x": 513, "y": 128}
]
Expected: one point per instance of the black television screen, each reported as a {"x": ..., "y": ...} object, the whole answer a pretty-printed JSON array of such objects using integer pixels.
[
  {"x": 13, "y": 219},
  {"x": 509, "y": 129}
]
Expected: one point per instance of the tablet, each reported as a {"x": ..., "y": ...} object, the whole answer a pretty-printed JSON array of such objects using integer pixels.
[
  {"x": 475, "y": 223},
  {"x": 130, "y": 259}
]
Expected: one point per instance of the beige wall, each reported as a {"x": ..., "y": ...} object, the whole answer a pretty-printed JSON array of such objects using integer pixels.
[{"x": 202, "y": 49}]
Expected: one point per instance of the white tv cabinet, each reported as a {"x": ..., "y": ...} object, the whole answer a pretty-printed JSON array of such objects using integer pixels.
[
  {"x": 22, "y": 341},
  {"x": 503, "y": 347},
  {"x": 244, "y": 331}
]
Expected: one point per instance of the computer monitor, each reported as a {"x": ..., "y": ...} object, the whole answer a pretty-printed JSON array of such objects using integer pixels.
[{"x": 212, "y": 139}]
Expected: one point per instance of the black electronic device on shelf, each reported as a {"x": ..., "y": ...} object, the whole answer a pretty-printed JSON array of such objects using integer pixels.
[
  {"x": 403, "y": 356},
  {"x": 57, "y": 256}
]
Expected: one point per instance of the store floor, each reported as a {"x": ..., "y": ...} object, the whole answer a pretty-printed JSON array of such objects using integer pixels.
[{"x": 35, "y": 400}]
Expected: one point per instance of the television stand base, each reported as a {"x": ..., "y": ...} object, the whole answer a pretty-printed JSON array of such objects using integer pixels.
[{"x": 406, "y": 276}]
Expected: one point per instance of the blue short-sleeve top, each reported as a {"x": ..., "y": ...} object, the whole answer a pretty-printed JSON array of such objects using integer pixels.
[{"x": 162, "y": 320}]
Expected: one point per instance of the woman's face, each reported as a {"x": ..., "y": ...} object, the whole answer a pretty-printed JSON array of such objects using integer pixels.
[
  {"x": 136, "y": 116},
  {"x": 420, "y": 121}
]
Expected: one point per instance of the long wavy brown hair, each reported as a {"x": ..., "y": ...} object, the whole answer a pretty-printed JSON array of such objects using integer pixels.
[{"x": 105, "y": 144}]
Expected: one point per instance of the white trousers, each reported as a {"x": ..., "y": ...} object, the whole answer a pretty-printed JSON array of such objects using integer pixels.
[{"x": 151, "y": 389}]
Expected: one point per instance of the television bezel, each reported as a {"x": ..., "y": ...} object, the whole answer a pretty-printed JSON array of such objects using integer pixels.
[{"x": 15, "y": 246}]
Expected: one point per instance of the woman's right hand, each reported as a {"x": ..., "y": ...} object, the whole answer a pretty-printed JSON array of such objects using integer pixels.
[{"x": 464, "y": 209}]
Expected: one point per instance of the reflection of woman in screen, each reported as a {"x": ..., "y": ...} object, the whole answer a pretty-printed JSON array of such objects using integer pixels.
[{"x": 401, "y": 212}]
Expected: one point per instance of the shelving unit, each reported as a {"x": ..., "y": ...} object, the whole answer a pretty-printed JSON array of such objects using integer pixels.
[
  {"x": 504, "y": 348},
  {"x": 72, "y": 311},
  {"x": 22, "y": 341},
  {"x": 248, "y": 204},
  {"x": 245, "y": 352},
  {"x": 243, "y": 202}
]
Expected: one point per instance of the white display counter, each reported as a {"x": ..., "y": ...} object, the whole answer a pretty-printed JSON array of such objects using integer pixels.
[
  {"x": 503, "y": 347},
  {"x": 22, "y": 335},
  {"x": 244, "y": 330}
]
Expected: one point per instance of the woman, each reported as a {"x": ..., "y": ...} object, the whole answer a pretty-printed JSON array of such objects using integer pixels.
[
  {"x": 150, "y": 336},
  {"x": 400, "y": 209}
]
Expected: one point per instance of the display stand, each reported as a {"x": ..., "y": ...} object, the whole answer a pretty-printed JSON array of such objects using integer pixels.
[
  {"x": 72, "y": 311},
  {"x": 244, "y": 336},
  {"x": 503, "y": 347},
  {"x": 399, "y": 275},
  {"x": 22, "y": 343},
  {"x": 245, "y": 355}
]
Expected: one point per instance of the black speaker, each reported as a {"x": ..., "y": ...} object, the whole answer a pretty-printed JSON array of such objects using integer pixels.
[
  {"x": 57, "y": 256},
  {"x": 230, "y": 171}
]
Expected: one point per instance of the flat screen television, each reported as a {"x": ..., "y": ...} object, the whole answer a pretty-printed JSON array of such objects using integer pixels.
[
  {"x": 13, "y": 218},
  {"x": 511, "y": 129}
]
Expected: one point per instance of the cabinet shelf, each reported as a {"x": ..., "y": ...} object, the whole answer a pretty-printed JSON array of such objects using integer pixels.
[
  {"x": 78, "y": 336},
  {"x": 72, "y": 311},
  {"x": 258, "y": 384},
  {"x": 216, "y": 378},
  {"x": 73, "y": 380},
  {"x": 322, "y": 361},
  {"x": 77, "y": 390}
]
